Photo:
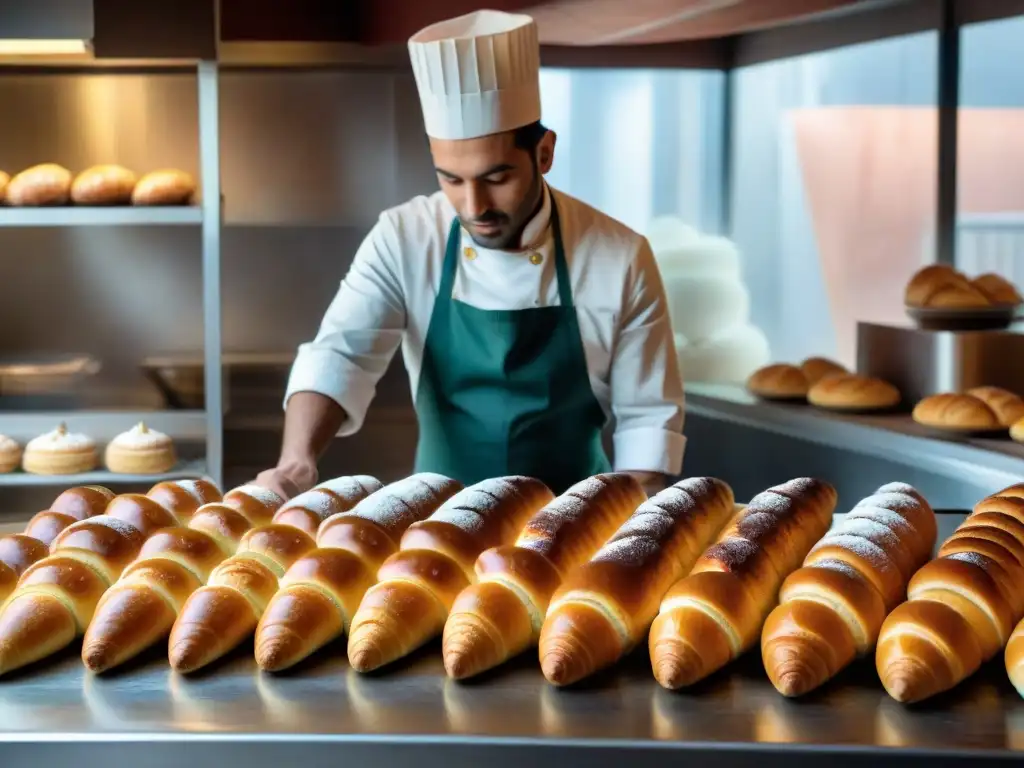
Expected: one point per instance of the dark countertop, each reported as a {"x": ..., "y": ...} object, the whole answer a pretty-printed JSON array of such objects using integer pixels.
[{"x": 412, "y": 715}]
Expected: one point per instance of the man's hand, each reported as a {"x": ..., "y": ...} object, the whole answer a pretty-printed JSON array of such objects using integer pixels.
[{"x": 290, "y": 479}]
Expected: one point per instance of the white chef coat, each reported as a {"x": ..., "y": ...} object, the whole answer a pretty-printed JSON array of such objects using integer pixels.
[{"x": 387, "y": 298}]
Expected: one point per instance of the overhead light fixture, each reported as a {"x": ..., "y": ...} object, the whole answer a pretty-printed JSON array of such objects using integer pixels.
[{"x": 43, "y": 47}]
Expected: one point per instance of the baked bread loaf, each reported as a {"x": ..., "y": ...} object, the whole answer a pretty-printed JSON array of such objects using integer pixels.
[
  {"x": 103, "y": 185},
  {"x": 500, "y": 616},
  {"x": 997, "y": 289},
  {"x": 140, "y": 451},
  {"x": 139, "y": 610},
  {"x": 320, "y": 593},
  {"x": 83, "y": 502},
  {"x": 4, "y": 181},
  {"x": 164, "y": 187},
  {"x": 10, "y": 454},
  {"x": 929, "y": 281},
  {"x": 17, "y": 553},
  {"x": 817, "y": 368},
  {"x": 308, "y": 510},
  {"x": 961, "y": 607},
  {"x": 56, "y": 597},
  {"x": 1017, "y": 431},
  {"x": 45, "y": 184},
  {"x": 956, "y": 413},
  {"x": 184, "y": 497},
  {"x": 603, "y": 609},
  {"x": 958, "y": 296},
  {"x": 716, "y": 613},
  {"x": 417, "y": 585},
  {"x": 779, "y": 381},
  {"x": 60, "y": 453},
  {"x": 849, "y": 391},
  {"x": 831, "y": 610},
  {"x": 1008, "y": 407}
]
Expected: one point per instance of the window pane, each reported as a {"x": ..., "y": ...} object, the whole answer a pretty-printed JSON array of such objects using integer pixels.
[
  {"x": 638, "y": 144},
  {"x": 990, "y": 168},
  {"x": 834, "y": 189}
]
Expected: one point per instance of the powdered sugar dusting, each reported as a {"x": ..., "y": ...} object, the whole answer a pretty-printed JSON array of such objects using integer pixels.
[
  {"x": 197, "y": 489},
  {"x": 470, "y": 507},
  {"x": 897, "y": 502},
  {"x": 8, "y": 445},
  {"x": 974, "y": 558},
  {"x": 397, "y": 506},
  {"x": 631, "y": 550},
  {"x": 894, "y": 521},
  {"x": 114, "y": 523},
  {"x": 61, "y": 440},
  {"x": 541, "y": 532},
  {"x": 729, "y": 555},
  {"x": 263, "y": 495},
  {"x": 649, "y": 527},
  {"x": 319, "y": 502},
  {"x": 862, "y": 548},
  {"x": 829, "y": 564},
  {"x": 141, "y": 437},
  {"x": 867, "y": 528},
  {"x": 351, "y": 488}
]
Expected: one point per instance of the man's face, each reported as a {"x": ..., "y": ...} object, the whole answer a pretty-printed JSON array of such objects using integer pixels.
[{"x": 494, "y": 186}]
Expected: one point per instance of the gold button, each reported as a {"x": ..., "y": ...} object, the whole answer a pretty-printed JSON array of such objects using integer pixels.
[
  {"x": 469, "y": 253},
  {"x": 536, "y": 258}
]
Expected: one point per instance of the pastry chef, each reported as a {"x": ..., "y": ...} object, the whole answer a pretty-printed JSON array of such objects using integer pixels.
[{"x": 526, "y": 318}]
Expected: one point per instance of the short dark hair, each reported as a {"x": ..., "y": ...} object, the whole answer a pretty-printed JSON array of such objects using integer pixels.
[{"x": 527, "y": 137}]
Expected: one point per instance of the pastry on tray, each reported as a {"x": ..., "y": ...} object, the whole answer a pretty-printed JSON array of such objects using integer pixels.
[
  {"x": 817, "y": 368},
  {"x": 140, "y": 451},
  {"x": 852, "y": 392},
  {"x": 952, "y": 412},
  {"x": 164, "y": 187},
  {"x": 780, "y": 381},
  {"x": 103, "y": 185},
  {"x": 939, "y": 286},
  {"x": 46, "y": 184},
  {"x": 60, "y": 453},
  {"x": 10, "y": 454}
]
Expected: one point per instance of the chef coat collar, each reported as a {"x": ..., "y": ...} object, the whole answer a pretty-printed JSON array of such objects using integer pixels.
[{"x": 535, "y": 231}]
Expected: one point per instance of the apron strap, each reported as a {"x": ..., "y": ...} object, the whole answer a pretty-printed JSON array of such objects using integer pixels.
[{"x": 451, "y": 259}]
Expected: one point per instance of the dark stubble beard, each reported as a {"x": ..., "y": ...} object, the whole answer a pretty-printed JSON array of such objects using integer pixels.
[{"x": 517, "y": 220}]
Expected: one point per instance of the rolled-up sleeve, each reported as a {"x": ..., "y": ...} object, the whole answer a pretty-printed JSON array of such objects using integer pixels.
[
  {"x": 360, "y": 331},
  {"x": 646, "y": 386}
]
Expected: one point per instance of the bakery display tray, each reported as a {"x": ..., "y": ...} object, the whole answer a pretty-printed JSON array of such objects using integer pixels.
[{"x": 322, "y": 713}]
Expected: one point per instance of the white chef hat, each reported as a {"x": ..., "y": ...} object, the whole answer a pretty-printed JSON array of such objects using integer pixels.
[{"x": 477, "y": 74}]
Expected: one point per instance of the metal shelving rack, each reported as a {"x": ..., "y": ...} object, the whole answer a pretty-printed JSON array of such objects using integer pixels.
[{"x": 205, "y": 425}]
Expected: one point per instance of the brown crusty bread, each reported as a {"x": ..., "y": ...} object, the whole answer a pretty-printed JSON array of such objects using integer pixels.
[
  {"x": 928, "y": 281},
  {"x": 1007, "y": 406},
  {"x": 817, "y": 368},
  {"x": 852, "y": 391},
  {"x": 780, "y": 381},
  {"x": 997, "y": 289},
  {"x": 957, "y": 413}
]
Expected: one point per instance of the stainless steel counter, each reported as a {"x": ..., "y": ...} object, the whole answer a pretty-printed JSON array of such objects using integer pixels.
[
  {"x": 992, "y": 463},
  {"x": 325, "y": 714}
]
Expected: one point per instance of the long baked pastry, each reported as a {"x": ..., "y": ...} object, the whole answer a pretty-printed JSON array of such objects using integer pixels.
[
  {"x": 57, "y": 596},
  {"x": 501, "y": 615},
  {"x": 321, "y": 591},
  {"x": 603, "y": 609},
  {"x": 714, "y": 614},
  {"x": 418, "y": 584},
  {"x": 961, "y": 607},
  {"x": 141, "y": 607},
  {"x": 831, "y": 610}
]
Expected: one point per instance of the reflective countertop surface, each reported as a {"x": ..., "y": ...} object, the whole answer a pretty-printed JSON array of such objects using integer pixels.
[{"x": 325, "y": 699}]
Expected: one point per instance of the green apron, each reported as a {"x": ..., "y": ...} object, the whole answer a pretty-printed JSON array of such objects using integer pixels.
[{"x": 506, "y": 392}]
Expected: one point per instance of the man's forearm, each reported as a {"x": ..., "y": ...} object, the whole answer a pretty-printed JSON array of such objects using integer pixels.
[{"x": 311, "y": 421}]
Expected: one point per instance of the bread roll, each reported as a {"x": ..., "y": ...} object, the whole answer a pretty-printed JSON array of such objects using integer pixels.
[
  {"x": 780, "y": 381},
  {"x": 46, "y": 184},
  {"x": 961, "y": 608},
  {"x": 501, "y": 615},
  {"x": 1017, "y": 431},
  {"x": 958, "y": 296},
  {"x": 1008, "y": 407},
  {"x": 997, "y": 289},
  {"x": 308, "y": 510},
  {"x": 843, "y": 392},
  {"x": 321, "y": 591},
  {"x": 817, "y": 368},
  {"x": 603, "y": 609},
  {"x": 417, "y": 585},
  {"x": 715, "y": 614},
  {"x": 831, "y": 610},
  {"x": 184, "y": 497},
  {"x": 4, "y": 181},
  {"x": 103, "y": 185},
  {"x": 956, "y": 413},
  {"x": 164, "y": 187},
  {"x": 83, "y": 502},
  {"x": 927, "y": 281}
]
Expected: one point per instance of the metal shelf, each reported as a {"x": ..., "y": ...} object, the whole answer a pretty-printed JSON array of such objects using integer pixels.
[
  {"x": 103, "y": 426},
  {"x": 95, "y": 216},
  {"x": 186, "y": 470}
]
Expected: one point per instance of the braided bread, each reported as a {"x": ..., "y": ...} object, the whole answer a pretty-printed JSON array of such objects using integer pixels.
[
  {"x": 501, "y": 615},
  {"x": 604, "y": 608},
  {"x": 140, "y": 608},
  {"x": 832, "y": 608},
  {"x": 961, "y": 607},
  {"x": 710, "y": 617},
  {"x": 321, "y": 591},
  {"x": 418, "y": 584}
]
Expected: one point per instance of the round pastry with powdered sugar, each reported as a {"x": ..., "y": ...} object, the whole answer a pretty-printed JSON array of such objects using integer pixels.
[
  {"x": 60, "y": 452},
  {"x": 140, "y": 451},
  {"x": 10, "y": 454}
]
